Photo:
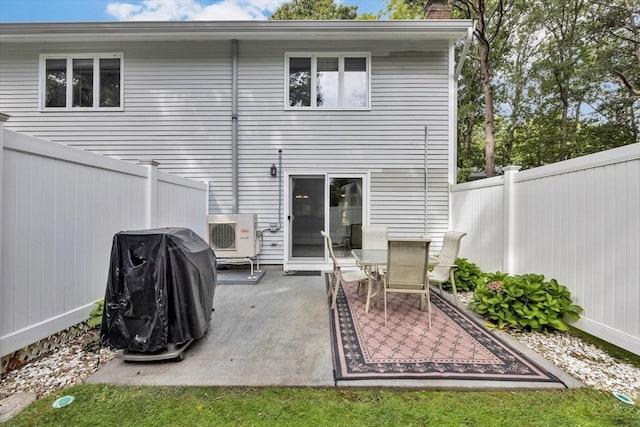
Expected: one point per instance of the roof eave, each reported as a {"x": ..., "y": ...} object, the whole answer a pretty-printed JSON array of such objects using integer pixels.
[{"x": 441, "y": 29}]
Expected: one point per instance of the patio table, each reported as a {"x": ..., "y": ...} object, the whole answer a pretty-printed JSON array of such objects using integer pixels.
[{"x": 371, "y": 259}]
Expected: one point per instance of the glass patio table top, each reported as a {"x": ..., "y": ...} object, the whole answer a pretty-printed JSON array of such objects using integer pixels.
[
  {"x": 369, "y": 259},
  {"x": 376, "y": 257}
]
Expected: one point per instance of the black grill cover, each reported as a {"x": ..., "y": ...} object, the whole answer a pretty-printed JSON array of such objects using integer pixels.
[{"x": 159, "y": 290}]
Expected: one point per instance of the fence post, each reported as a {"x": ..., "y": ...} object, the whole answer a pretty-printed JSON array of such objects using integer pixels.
[
  {"x": 3, "y": 118},
  {"x": 508, "y": 218},
  {"x": 151, "y": 213}
]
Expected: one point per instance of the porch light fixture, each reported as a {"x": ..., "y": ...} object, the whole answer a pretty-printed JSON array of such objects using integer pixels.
[{"x": 274, "y": 170}]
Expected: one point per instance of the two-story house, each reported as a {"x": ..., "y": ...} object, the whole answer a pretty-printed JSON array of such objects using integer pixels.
[{"x": 311, "y": 125}]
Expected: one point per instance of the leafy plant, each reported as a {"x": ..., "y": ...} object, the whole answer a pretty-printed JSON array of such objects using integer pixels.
[
  {"x": 525, "y": 302},
  {"x": 467, "y": 276},
  {"x": 95, "y": 315}
]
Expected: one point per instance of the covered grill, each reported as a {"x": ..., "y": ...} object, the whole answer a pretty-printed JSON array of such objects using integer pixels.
[{"x": 160, "y": 290}]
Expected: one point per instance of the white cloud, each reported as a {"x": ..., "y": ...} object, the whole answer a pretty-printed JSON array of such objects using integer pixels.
[{"x": 193, "y": 10}]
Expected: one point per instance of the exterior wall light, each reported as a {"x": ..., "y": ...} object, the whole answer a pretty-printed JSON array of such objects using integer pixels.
[{"x": 274, "y": 170}]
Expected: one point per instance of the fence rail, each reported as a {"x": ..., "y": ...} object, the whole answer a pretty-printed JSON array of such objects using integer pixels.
[
  {"x": 576, "y": 221},
  {"x": 60, "y": 208}
]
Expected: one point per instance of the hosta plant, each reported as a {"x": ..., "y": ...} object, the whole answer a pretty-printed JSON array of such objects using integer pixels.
[
  {"x": 525, "y": 302},
  {"x": 467, "y": 276}
]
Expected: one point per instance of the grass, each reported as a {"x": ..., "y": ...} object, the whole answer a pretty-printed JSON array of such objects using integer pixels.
[
  {"x": 104, "y": 405},
  {"x": 98, "y": 405}
]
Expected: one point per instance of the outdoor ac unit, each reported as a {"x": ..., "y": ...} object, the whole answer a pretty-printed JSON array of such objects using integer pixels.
[{"x": 234, "y": 235}]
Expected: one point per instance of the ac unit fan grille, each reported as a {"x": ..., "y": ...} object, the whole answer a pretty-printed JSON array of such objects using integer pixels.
[{"x": 223, "y": 236}]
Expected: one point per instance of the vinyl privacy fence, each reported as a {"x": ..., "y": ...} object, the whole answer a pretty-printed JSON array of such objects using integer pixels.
[
  {"x": 576, "y": 221},
  {"x": 60, "y": 209}
]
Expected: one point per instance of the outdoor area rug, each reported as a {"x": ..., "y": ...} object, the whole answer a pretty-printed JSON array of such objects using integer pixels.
[{"x": 456, "y": 347}]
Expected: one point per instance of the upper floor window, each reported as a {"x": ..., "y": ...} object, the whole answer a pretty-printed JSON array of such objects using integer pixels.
[
  {"x": 81, "y": 81},
  {"x": 328, "y": 81}
]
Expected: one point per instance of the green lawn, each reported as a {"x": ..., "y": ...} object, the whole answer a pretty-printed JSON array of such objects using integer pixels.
[{"x": 101, "y": 405}]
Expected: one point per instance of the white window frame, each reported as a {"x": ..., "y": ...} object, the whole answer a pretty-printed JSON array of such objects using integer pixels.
[
  {"x": 69, "y": 57},
  {"x": 314, "y": 56}
]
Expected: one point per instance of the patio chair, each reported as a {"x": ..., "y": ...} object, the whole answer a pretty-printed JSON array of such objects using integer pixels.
[
  {"x": 374, "y": 237},
  {"x": 444, "y": 269},
  {"x": 338, "y": 276},
  {"x": 407, "y": 262}
]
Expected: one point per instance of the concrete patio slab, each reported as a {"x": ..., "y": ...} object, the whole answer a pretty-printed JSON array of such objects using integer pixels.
[
  {"x": 276, "y": 333},
  {"x": 272, "y": 333},
  {"x": 12, "y": 405}
]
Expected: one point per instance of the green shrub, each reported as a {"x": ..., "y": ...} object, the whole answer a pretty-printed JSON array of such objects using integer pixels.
[
  {"x": 524, "y": 302},
  {"x": 95, "y": 315},
  {"x": 467, "y": 276}
]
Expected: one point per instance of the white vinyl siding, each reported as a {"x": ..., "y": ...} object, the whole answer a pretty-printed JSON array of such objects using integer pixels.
[
  {"x": 178, "y": 113},
  {"x": 408, "y": 92}
]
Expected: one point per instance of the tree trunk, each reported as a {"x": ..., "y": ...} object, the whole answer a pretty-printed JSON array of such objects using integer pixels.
[{"x": 489, "y": 128}]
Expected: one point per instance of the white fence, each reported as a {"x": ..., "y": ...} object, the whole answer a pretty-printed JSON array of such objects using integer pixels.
[
  {"x": 576, "y": 221},
  {"x": 60, "y": 208}
]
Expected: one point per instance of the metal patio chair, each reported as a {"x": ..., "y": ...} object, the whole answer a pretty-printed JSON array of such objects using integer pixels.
[
  {"x": 339, "y": 276},
  {"x": 445, "y": 268},
  {"x": 374, "y": 237},
  {"x": 407, "y": 262}
]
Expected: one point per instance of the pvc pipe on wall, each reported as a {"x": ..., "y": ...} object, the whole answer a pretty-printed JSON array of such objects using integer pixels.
[{"x": 234, "y": 126}]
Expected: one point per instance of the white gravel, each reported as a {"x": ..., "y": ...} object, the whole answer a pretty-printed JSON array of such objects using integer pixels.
[
  {"x": 70, "y": 365},
  {"x": 586, "y": 362},
  {"x": 595, "y": 368}
]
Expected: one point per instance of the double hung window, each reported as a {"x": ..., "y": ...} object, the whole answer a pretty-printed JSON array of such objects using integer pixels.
[
  {"x": 81, "y": 81},
  {"x": 328, "y": 81}
]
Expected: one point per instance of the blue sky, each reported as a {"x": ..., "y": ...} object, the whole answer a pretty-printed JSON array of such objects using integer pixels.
[{"x": 157, "y": 10}]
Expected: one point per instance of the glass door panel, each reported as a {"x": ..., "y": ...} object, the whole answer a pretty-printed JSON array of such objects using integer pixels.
[
  {"x": 307, "y": 216},
  {"x": 345, "y": 214}
]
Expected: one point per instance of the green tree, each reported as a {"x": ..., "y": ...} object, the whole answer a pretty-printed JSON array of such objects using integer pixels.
[
  {"x": 314, "y": 10},
  {"x": 404, "y": 9},
  {"x": 617, "y": 32},
  {"x": 470, "y": 117},
  {"x": 491, "y": 40},
  {"x": 564, "y": 74}
]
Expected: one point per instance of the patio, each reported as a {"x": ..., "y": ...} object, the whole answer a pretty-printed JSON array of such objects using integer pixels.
[{"x": 277, "y": 333}]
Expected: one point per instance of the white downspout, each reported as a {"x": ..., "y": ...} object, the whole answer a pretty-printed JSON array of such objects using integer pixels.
[
  {"x": 234, "y": 126},
  {"x": 463, "y": 54},
  {"x": 453, "y": 110}
]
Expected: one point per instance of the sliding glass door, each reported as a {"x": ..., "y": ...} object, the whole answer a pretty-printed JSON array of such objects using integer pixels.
[
  {"x": 345, "y": 214},
  {"x": 307, "y": 217},
  {"x": 333, "y": 202}
]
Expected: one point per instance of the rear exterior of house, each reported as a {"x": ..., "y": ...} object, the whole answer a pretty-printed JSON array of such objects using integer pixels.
[{"x": 356, "y": 117}]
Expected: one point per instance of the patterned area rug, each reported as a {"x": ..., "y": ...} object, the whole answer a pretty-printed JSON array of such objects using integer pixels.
[{"x": 456, "y": 347}]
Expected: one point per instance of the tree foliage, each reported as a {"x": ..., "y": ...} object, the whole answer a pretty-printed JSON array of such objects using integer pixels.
[
  {"x": 491, "y": 35},
  {"x": 314, "y": 10},
  {"x": 565, "y": 76}
]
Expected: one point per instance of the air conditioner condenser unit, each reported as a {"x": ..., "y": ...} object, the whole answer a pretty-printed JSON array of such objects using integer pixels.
[{"x": 234, "y": 235}]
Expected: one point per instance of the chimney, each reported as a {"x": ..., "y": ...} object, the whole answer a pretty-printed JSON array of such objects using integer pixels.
[{"x": 437, "y": 9}]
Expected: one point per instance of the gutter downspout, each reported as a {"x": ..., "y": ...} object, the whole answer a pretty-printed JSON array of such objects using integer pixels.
[
  {"x": 463, "y": 54},
  {"x": 279, "y": 190},
  {"x": 234, "y": 126}
]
